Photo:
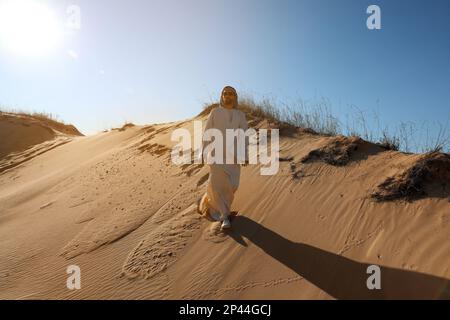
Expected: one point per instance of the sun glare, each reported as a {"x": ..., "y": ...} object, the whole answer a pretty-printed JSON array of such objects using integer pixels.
[{"x": 28, "y": 27}]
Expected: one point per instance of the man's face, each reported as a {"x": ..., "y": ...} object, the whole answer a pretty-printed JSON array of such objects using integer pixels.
[{"x": 228, "y": 97}]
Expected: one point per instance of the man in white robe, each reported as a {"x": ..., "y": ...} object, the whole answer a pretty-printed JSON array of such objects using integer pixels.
[{"x": 224, "y": 177}]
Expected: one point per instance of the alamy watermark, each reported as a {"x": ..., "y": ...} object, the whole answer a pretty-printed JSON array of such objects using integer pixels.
[
  {"x": 74, "y": 280},
  {"x": 73, "y": 17},
  {"x": 374, "y": 280},
  {"x": 374, "y": 20},
  {"x": 237, "y": 147}
]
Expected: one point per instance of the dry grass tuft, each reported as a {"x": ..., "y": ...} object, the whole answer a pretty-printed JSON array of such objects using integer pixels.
[{"x": 410, "y": 184}]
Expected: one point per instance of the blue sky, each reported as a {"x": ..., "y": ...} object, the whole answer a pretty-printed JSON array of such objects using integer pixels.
[{"x": 150, "y": 61}]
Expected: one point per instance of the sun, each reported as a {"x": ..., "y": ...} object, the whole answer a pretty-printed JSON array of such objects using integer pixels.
[{"x": 28, "y": 28}]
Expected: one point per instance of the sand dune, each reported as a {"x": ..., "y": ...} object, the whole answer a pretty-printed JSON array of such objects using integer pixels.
[
  {"x": 26, "y": 136},
  {"x": 116, "y": 206}
]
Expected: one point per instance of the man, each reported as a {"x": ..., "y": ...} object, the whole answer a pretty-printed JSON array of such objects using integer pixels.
[{"x": 223, "y": 177}]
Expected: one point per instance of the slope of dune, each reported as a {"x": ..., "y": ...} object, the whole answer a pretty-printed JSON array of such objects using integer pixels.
[
  {"x": 25, "y": 136},
  {"x": 116, "y": 206}
]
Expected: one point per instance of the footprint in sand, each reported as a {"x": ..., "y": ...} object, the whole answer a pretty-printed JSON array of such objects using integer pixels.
[
  {"x": 214, "y": 233},
  {"x": 162, "y": 246}
]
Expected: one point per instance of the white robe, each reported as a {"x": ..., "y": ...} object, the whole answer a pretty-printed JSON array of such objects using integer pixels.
[{"x": 223, "y": 178}]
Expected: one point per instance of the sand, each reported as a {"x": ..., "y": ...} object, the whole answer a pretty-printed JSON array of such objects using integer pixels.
[{"x": 115, "y": 205}]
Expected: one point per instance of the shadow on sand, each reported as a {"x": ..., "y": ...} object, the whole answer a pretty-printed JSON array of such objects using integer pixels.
[{"x": 340, "y": 277}]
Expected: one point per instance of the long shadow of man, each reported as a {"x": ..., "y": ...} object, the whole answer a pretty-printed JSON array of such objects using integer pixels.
[{"x": 340, "y": 277}]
